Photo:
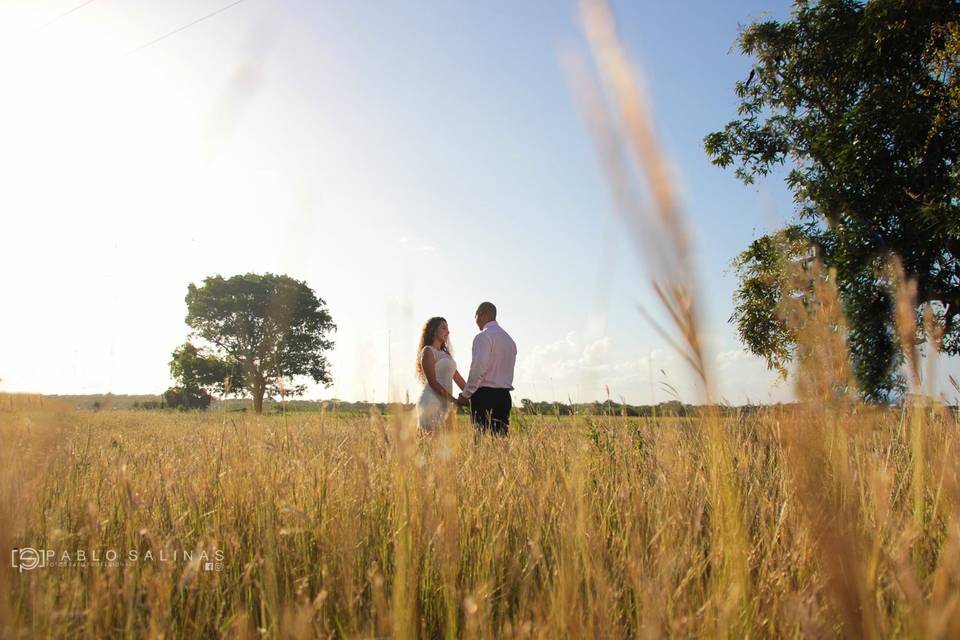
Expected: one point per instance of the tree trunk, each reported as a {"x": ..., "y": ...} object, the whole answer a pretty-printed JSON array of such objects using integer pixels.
[{"x": 259, "y": 388}]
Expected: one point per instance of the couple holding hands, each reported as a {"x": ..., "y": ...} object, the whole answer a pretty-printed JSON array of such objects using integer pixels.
[{"x": 487, "y": 387}]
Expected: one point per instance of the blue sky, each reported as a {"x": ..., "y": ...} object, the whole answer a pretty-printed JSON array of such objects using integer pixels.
[{"x": 405, "y": 159}]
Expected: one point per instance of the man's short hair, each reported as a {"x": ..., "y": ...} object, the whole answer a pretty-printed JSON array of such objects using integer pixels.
[{"x": 487, "y": 308}]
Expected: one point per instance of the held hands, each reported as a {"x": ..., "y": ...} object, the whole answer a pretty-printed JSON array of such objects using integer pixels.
[{"x": 462, "y": 402}]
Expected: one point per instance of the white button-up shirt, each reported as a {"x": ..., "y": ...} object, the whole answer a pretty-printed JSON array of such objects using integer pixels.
[{"x": 494, "y": 356}]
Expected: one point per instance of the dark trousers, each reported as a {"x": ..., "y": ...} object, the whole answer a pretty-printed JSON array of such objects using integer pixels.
[{"x": 490, "y": 410}]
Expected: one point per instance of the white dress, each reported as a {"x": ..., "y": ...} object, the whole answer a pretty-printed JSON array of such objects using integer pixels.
[{"x": 431, "y": 408}]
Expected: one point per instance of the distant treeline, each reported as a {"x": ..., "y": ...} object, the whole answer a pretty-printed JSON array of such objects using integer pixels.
[
  {"x": 114, "y": 402},
  {"x": 611, "y": 408},
  {"x": 607, "y": 408}
]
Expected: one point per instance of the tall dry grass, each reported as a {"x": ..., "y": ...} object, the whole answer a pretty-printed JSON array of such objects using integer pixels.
[{"x": 593, "y": 527}]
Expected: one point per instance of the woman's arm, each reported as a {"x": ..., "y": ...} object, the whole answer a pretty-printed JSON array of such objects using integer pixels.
[
  {"x": 428, "y": 362},
  {"x": 459, "y": 380}
]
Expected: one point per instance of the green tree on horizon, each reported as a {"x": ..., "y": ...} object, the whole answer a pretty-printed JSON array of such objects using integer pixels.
[{"x": 263, "y": 331}]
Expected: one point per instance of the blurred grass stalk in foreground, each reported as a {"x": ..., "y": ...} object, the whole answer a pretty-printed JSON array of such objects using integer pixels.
[{"x": 626, "y": 141}]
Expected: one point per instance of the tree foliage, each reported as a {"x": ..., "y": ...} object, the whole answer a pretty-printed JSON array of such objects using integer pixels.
[
  {"x": 264, "y": 331},
  {"x": 860, "y": 100},
  {"x": 179, "y": 397},
  {"x": 764, "y": 271},
  {"x": 196, "y": 368}
]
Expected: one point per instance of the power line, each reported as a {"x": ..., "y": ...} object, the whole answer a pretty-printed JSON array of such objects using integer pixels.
[
  {"x": 179, "y": 29},
  {"x": 64, "y": 15}
]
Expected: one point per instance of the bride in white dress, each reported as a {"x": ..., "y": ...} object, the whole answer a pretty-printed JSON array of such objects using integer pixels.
[{"x": 437, "y": 371}]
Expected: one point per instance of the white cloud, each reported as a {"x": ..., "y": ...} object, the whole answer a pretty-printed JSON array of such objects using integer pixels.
[
  {"x": 587, "y": 369},
  {"x": 742, "y": 377},
  {"x": 584, "y": 369},
  {"x": 733, "y": 355}
]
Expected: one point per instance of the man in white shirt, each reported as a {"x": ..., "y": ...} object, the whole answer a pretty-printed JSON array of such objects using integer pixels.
[{"x": 491, "y": 374}]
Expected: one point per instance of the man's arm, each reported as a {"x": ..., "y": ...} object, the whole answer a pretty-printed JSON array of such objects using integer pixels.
[{"x": 482, "y": 346}]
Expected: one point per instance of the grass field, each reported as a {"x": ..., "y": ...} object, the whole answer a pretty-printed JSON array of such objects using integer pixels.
[{"x": 833, "y": 521}]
